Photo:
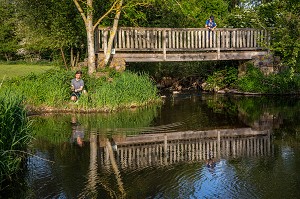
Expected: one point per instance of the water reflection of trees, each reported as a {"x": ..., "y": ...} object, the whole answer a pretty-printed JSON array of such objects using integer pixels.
[
  {"x": 57, "y": 128},
  {"x": 259, "y": 112}
]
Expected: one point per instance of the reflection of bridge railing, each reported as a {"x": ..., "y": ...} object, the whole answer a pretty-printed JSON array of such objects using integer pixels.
[{"x": 191, "y": 146}]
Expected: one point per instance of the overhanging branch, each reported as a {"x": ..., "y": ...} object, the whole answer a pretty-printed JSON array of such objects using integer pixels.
[
  {"x": 80, "y": 10},
  {"x": 105, "y": 15}
]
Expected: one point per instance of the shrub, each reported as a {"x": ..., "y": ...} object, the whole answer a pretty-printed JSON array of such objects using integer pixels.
[
  {"x": 281, "y": 83},
  {"x": 221, "y": 79}
]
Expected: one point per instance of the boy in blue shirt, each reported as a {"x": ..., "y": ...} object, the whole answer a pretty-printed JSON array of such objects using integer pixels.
[{"x": 210, "y": 23}]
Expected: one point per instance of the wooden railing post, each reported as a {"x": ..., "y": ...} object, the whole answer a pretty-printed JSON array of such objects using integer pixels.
[
  {"x": 164, "y": 45},
  {"x": 218, "y": 38}
]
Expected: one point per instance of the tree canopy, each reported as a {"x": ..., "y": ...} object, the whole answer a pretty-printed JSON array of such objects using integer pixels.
[{"x": 46, "y": 28}]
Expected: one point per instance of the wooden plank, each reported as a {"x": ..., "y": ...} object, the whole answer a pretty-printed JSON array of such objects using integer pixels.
[
  {"x": 210, "y": 38},
  {"x": 146, "y": 39},
  {"x": 248, "y": 38},
  {"x": 223, "y": 44},
  {"x": 176, "y": 39},
  {"x": 228, "y": 39},
  {"x": 193, "y": 56},
  {"x": 188, "y": 39},
  {"x": 192, "y": 39},
  {"x": 171, "y": 39},
  {"x": 233, "y": 39},
  {"x": 196, "y": 44},
  {"x": 244, "y": 39},
  {"x": 255, "y": 38},
  {"x": 164, "y": 45}
]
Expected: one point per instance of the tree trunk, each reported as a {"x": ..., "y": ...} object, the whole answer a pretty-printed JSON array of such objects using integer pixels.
[
  {"x": 113, "y": 33},
  {"x": 6, "y": 56},
  {"x": 90, "y": 38},
  {"x": 63, "y": 56},
  {"x": 72, "y": 59}
]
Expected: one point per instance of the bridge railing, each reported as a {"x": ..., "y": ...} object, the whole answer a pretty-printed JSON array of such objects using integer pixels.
[{"x": 129, "y": 39}]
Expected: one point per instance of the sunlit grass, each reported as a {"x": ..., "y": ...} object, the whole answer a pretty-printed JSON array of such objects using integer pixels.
[
  {"x": 108, "y": 93},
  {"x": 8, "y": 71}
]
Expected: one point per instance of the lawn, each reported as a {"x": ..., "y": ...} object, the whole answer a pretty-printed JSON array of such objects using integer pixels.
[{"x": 8, "y": 71}]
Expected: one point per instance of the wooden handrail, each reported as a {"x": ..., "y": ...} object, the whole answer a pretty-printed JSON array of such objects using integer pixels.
[{"x": 179, "y": 39}]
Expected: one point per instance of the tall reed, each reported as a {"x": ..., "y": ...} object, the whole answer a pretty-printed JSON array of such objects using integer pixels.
[{"x": 14, "y": 135}]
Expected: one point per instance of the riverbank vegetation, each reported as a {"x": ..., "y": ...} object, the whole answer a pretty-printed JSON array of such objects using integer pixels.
[
  {"x": 14, "y": 136},
  {"x": 254, "y": 81},
  {"x": 50, "y": 91}
]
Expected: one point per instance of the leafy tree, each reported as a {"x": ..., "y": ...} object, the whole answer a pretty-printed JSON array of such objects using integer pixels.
[
  {"x": 8, "y": 37},
  {"x": 113, "y": 9},
  {"x": 284, "y": 17},
  {"x": 49, "y": 25},
  {"x": 183, "y": 13},
  {"x": 283, "y": 20}
]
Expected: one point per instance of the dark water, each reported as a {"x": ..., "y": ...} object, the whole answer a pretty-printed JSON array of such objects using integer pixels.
[{"x": 193, "y": 146}]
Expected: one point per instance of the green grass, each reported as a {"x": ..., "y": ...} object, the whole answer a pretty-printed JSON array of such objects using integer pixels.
[
  {"x": 51, "y": 90},
  {"x": 8, "y": 70}
]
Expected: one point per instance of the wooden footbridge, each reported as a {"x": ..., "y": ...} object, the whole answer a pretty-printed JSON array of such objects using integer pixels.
[{"x": 182, "y": 44}]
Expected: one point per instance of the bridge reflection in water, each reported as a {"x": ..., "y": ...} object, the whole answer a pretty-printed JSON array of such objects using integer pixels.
[{"x": 146, "y": 150}]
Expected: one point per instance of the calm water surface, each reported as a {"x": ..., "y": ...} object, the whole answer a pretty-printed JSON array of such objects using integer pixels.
[{"x": 193, "y": 146}]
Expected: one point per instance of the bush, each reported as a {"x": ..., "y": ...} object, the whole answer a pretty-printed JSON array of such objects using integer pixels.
[
  {"x": 282, "y": 83},
  {"x": 221, "y": 79}
]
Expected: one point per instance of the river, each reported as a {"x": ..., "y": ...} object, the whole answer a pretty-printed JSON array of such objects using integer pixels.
[{"x": 195, "y": 145}]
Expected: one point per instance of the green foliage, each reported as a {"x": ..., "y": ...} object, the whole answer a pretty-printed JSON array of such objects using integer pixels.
[
  {"x": 8, "y": 37},
  {"x": 221, "y": 79},
  {"x": 251, "y": 82},
  {"x": 125, "y": 90},
  {"x": 48, "y": 89},
  {"x": 244, "y": 18},
  {"x": 284, "y": 16},
  {"x": 52, "y": 89},
  {"x": 47, "y": 26},
  {"x": 281, "y": 83},
  {"x": 182, "y": 13},
  {"x": 14, "y": 134}
]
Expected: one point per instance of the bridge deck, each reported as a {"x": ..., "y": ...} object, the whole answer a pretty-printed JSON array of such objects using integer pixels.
[{"x": 185, "y": 44}]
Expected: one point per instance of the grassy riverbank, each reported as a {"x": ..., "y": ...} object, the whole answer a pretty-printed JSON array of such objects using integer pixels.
[{"x": 50, "y": 91}]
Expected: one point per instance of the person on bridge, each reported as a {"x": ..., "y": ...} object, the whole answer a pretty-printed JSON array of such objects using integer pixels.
[{"x": 210, "y": 24}]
